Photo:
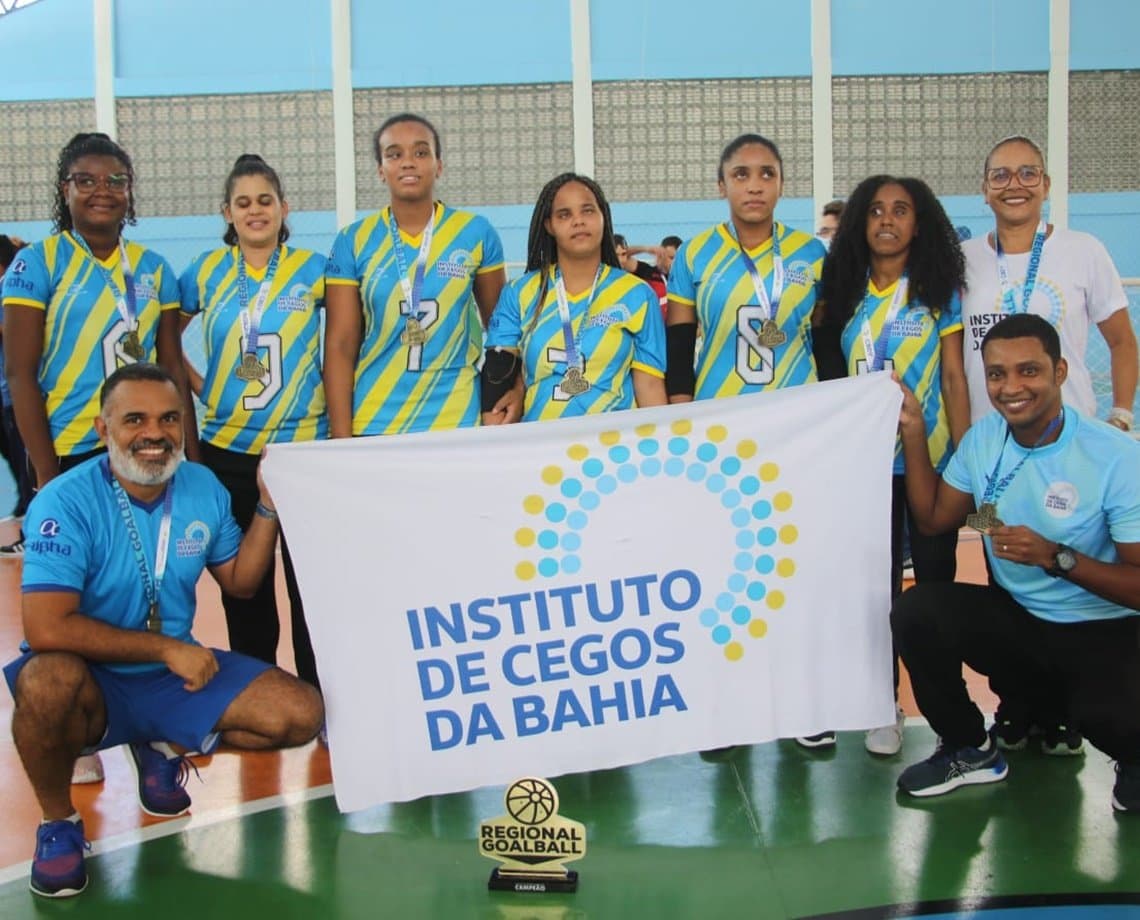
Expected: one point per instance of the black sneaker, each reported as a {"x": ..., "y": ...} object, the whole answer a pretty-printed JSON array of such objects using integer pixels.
[
  {"x": 1009, "y": 734},
  {"x": 1062, "y": 741},
  {"x": 13, "y": 549},
  {"x": 1126, "y": 792},
  {"x": 822, "y": 740},
  {"x": 946, "y": 770}
]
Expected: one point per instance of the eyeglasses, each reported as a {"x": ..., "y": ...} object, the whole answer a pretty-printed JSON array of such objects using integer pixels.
[
  {"x": 1028, "y": 176},
  {"x": 85, "y": 182}
]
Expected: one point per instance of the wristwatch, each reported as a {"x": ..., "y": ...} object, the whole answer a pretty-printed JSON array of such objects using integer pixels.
[{"x": 1064, "y": 561}]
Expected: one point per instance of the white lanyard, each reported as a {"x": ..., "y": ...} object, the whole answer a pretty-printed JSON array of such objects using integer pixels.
[{"x": 876, "y": 352}]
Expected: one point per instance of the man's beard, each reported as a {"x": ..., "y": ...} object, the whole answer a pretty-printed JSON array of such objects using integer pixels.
[{"x": 144, "y": 472}]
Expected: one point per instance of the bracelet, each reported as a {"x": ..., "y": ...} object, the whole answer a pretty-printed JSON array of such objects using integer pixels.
[
  {"x": 265, "y": 512},
  {"x": 1118, "y": 414}
]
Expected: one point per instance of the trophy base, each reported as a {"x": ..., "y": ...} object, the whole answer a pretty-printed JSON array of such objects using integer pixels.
[{"x": 533, "y": 884}]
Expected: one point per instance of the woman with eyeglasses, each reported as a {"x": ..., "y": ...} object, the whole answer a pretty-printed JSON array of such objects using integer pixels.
[
  {"x": 77, "y": 306},
  {"x": 1065, "y": 276},
  {"x": 260, "y": 304}
]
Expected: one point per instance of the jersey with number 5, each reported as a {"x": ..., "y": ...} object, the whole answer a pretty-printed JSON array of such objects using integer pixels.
[
  {"x": 84, "y": 332},
  {"x": 287, "y": 401},
  {"x": 711, "y": 275},
  {"x": 425, "y": 382}
]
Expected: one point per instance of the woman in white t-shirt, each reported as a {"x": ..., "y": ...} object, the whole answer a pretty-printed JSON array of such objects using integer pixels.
[{"x": 1065, "y": 276}]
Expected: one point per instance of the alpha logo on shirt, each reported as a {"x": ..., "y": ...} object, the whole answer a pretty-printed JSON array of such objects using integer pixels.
[
  {"x": 195, "y": 541},
  {"x": 1061, "y": 499},
  {"x": 18, "y": 267},
  {"x": 49, "y": 528},
  {"x": 457, "y": 266},
  {"x": 798, "y": 273},
  {"x": 298, "y": 300},
  {"x": 611, "y": 316},
  {"x": 145, "y": 288}
]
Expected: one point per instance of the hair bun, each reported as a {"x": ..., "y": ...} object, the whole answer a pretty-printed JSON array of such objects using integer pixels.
[{"x": 248, "y": 158}]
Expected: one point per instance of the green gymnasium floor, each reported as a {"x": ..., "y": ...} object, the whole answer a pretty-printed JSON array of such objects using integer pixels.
[{"x": 771, "y": 831}]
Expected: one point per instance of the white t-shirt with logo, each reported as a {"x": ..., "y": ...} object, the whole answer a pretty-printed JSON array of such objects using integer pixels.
[{"x": 1077, "y": 287}]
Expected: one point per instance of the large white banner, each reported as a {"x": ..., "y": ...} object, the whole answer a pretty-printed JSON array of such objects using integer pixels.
[{"x": 563, "y": 596}]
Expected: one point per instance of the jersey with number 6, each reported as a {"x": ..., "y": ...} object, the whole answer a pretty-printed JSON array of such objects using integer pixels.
[
  {"x": 83, "y": 331},
  {"x": 711, "y": 275},
  {"x": 287, "y": 403},
  {"x": 401, "y": 386}
]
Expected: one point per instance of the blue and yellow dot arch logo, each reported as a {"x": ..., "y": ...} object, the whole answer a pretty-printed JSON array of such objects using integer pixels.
[{"x": 730, "y": 470}]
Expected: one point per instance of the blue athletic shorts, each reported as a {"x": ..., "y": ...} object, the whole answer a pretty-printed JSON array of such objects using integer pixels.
[{"x": 154, "y": 706}]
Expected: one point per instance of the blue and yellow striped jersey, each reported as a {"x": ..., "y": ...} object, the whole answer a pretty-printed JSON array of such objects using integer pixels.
[
  {"x": 402, "y": 387},
  {"x": 914, "y": 352},
  {"x": 288, "y": 402},
  {"x": 619, "y": 330},
  {"x": 83, "y": 331},
  {"x": 711, "y": 275}
]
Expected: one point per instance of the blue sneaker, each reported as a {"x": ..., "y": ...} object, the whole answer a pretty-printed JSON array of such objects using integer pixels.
[
  {"x": 161, "y": 781},
  {"x": 57, "y": 869},
  {"x": 946, "y": 770}
]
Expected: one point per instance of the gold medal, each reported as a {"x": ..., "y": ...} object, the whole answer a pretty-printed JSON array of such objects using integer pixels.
[
  {"x": 574, "y": 382},
  {"x": 770, "y": 334},
  {"x": 132, "y": 347},
  {"x": 250, "y": 368},
  {"x": 414, "y": 333},
  {"x": 985, "y": 519},
  {"x": 153, "y": 620}
]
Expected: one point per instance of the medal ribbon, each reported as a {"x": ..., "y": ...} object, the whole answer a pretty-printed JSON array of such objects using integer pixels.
[
  {"x": 768, "y": 306},
  {"x": 413, "y": 288},
  {"x": 1007, "y": 302},
  {"x": 876, "y": 351},
  {"x": 995, "y": 487},
  {"x": 151, "y": 585},
  {"x": 125, "y": 301},
  {"x": 572, "y": 341},
  {"x": 251, "y": 316}
]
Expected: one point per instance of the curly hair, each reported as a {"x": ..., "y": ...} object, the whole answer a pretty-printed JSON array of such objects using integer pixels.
[
  {"x": 935, "y": 266},
  {"x": 85, "y": 145}
]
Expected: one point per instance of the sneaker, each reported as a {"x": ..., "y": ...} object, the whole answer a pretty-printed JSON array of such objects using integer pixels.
[
  {"x": 822, "y": 740},
  {"x": 1010, "y": 735},
  {"x": 887, "y": 740},
  {"x": 946, "y": 770},
  {"x": 161, "y": 780},
  {"x": 1062, "y": 741},
  {"x": 1126, "y": 792},
  {"x": 58, "y": 870},
  {"x": 908, "y": 569},
  {"x": 13, "y": 549},
  {"x": 88, "y": 769}
]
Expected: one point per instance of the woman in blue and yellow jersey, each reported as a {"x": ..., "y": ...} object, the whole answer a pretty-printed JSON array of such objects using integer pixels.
[
  {"x": 748, "y": 283},
  {"x": 892, "y": 288},
  {"x": 589, "y": 334},
  {"x": 409, "y": 289},
  {"x": 80, "y": 304},
  {"x": 260, "y": 304}
]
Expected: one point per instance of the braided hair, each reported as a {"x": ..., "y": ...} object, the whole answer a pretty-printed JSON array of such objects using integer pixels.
[
  {"x": 84, "y": 145},
  {"x": 541, "y": 249}
]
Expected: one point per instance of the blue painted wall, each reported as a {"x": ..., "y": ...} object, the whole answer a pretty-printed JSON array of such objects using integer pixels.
[
  {"x": 47, "y": 50},
  {"x": 1103, "y": 35}
]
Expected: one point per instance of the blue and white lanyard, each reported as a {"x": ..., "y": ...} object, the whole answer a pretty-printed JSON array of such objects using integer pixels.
[
  {"x": 995, "y": 488},
  {"x": 573, "y": 343},
  {"x": 876, "y": 351},
  {"x": 251, "y": 316},
  {"x": 413, "y": 288},
  {"x": 152, "y": 585},
  {"x": 125, "y": 301},
  {"x": 768, "y": 306},
  {"x": 1007, "y": 301}
]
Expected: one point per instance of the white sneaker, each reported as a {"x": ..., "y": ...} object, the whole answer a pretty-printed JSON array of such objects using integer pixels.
[
  {"x": 887, "y": 740},
  {"x": 88, "y": 769}
]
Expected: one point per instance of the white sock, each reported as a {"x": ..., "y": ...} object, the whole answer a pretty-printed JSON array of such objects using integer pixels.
[
  {"x": 164, "y": 749},
  {"x": 75, "y": 817},
  {"x": 987, "y": 744}
]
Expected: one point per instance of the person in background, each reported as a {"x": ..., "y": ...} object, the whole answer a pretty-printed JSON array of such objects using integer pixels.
[
  {"x": 829, "y": 221},
  {"x": 13, "y": 445},
  {"x": 646, "y": 272}
]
